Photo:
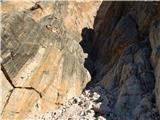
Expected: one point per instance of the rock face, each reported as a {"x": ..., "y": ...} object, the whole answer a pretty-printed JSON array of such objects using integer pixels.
[
  {"x": 123, "y": 49},
  {"x": 155, "y": 57},
  {"x": 45, "y": 62},
  {"x": 83, "y": 108},
  {"x": 42, "y": 61}
]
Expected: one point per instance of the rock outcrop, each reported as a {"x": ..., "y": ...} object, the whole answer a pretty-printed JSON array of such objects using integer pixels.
[
  {"x": 124, "y": 38},
  {"x": 155, "y": 57},
  {"x": 42, "y": 61},
  {"x": 49, "y": 49}
]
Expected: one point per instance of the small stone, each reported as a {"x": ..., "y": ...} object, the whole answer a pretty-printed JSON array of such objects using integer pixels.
[
  {"x": 95, "y": 96},
  {"x": 90, "y": 112},
  {"x": 63, "y": 110},
  {"x": 80, "y": 103},
  {"x": 87, "y": 92},
  {"x": 96, "y": 107},
  {"x": 82, "y": 113},
  {"x": 101, "y": 118}
]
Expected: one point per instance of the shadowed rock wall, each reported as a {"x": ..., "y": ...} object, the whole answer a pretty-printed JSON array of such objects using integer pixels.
[
  {"x": 43, "y": 63},
  {"x": 124, "y": 52}
]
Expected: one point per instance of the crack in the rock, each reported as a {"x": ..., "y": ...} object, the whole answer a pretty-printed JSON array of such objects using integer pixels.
[
  {"x": 7, "y": 76},
  {"x": 7, "y": 101},
  {"x": 14, "y": 87},
  {"x": 10, "y": 81},
  {"x": 11, "y": 91},
  {"x": 30, "y": 88},
  {"x": 36, "y": 6}
]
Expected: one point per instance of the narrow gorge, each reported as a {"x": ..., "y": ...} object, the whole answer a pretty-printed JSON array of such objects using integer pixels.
[{"x": 80, "y": 60}]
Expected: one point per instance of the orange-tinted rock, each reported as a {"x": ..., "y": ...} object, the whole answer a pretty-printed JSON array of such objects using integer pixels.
[{"x": 43, "y": 60}]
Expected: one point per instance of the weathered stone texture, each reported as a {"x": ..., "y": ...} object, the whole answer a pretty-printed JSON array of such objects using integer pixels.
[
  {"x": 155, "y": 57},
  {"x": 124, "y": 39},
  {"x": 41, "y": 56},
  {"x": 43, "y": 63}
]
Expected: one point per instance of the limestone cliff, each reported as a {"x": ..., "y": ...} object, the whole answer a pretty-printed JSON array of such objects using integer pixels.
[
  {"x": 50, "y": 50},
  {"x": 42, "y": 61}
]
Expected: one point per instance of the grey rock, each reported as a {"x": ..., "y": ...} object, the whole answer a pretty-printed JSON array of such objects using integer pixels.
[{"x": 155, "y": 59}]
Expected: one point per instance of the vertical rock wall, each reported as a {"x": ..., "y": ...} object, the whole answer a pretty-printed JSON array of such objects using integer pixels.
[
  {"x": 124, "y": 52},
  {"x": 42, "y": 61}
]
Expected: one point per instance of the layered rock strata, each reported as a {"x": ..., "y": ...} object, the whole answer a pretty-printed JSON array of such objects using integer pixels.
[{"x": 43, "y": 63}]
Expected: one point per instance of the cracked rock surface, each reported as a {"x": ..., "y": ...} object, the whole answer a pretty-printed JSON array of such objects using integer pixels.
[
  {"x": 85, "y": 107},
  {"x": 90, "y": 60},
  {"x": 41, "y": 56}
]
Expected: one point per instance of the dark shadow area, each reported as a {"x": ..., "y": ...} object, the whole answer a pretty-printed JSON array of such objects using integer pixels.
[
  {"x": 87, "y": 37},
  {"x": 118, "y": 51},
  {"x": 93, "y": 41},
  {"x": 86, "y": 44}
]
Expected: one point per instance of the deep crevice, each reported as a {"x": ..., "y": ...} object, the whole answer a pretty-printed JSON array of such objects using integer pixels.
[
  {"x": 36, "y": 6},
  {"x": 11, "y": 83},
  {"x": 141, "y": 42},
  {"x": 30, "y": 88},
  {"x": 7, "y": 101},
  {"x": 7, "y": 76}
]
